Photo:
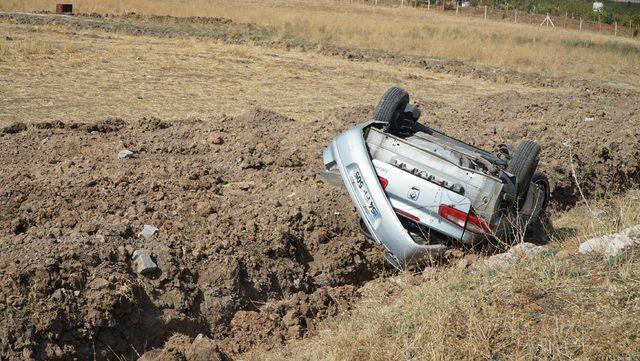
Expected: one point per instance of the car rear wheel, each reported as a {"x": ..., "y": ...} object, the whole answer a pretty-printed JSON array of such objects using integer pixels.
[
  {"x": 391, "y": 106},
  {"x": 542, "y": 182},
  {"x": 540, "y": 226},
  {"x": 523, "y": 164}
]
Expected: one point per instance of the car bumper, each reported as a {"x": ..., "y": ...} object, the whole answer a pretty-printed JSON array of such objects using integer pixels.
[{"x": 349, "y": 155}]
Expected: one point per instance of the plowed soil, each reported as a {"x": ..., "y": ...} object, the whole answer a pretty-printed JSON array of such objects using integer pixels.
[
  {"x": 252, "y": 248},
  {"x": 242, "y": 221}
]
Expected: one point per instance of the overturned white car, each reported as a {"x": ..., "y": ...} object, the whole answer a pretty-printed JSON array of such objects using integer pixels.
[{"x": 418, "y": 190}]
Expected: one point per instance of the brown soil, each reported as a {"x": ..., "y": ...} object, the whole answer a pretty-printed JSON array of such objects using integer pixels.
[
  {"x": 252, "y": 249},
  {"x": 242, "y": 220},
  {"x": 592, "y": 132}
]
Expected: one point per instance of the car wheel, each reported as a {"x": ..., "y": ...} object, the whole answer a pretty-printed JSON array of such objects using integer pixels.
[
  {"x": 540, "y": 179},
  {"x": 523, "y": 164},
  {"x": 391, "y": 106},
  {"x": 541, "y": 226}
]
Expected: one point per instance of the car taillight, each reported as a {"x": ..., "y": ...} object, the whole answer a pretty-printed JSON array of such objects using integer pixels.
[
  {"x": 460, "y": 218},
  {"x": 383, "y": 182},
  {"x": 406, "y": 214}
]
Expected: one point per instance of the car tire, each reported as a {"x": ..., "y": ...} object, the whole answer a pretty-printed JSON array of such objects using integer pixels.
[
  {"x": 523, "y": 164},
  {"x": 541, "y": 226},
  {"x": 391, "y": 106},
  {"x": 542, "y": 181}
]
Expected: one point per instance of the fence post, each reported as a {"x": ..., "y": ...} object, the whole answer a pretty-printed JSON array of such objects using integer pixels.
[
  {"x": 428, "y": 5},
  {"x": 599, "y": 25},
  {"x": 515, "y": 18},
  {"x": 580, "y": 24},
  {"x": 456, "y": 7},
  {"x": 615, "y": 29},
  {"x": 401, "y": 3},
  {"x": 485, "y": 11}
]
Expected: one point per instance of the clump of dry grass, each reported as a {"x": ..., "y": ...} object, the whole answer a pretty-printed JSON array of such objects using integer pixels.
[
  {"x": 552, "y": 306},
  {"x": 28, "y": 49},
  {"x": 406, "y": 31}
]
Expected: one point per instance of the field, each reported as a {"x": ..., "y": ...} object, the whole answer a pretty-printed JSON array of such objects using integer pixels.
[
  {"x": 227, "y": 108},
  {"x": 418, "y": 33}
]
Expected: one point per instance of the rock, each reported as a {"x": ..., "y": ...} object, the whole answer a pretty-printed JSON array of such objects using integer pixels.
[
  {"x": 633, "y": 232},
  {"x": 44, "y": 141},
  {"x": 148, "y": 231},
  {"x": 525, "y": 249},
  {"x": 14, "y": 128},
  {"x": 125, "y": 153},
  {"x": 612, "y": 244},
  {"x": 142, "y": 262},
  {"x": 500, "y": 260},
  {"x": 596, "y": 213},
  {"x": 203, "y": 349}
]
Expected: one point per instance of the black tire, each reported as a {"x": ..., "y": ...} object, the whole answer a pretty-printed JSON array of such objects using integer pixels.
[
  {"x": 523, "y": 163},
  {"x": 540, "y": 179},
  {"x": 391, "y": 106},
  {"x": 541, "y": 226}
]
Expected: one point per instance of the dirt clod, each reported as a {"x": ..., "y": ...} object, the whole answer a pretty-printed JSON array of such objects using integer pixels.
[
  {"x": 242, "y": 230},
  {"x": 14, "y": 128}
]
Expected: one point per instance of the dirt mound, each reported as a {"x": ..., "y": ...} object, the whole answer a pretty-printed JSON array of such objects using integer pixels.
[
  {"x": 594, "y": 133},
  {"x": 155, "y": 25},
  {"x": 251, "y": 248},
  {"x": 242, "y": 221}
]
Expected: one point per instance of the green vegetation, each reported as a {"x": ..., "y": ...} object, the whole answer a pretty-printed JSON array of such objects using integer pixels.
[{"x": 622, "y": 13}]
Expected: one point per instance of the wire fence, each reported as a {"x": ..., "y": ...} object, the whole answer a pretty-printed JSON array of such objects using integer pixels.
[{"x": 628, "y": 30}]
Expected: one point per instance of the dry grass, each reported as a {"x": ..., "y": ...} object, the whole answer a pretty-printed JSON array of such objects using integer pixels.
[
  {"x": 548, "y": 307},
  {"x": 89, "y": 75},
  {"x": 406, "y": 31}
]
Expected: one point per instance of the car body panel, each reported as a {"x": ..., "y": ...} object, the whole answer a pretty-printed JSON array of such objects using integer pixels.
[
  {"x": 348, "y": 153},
  {"x": 422, "y": 199}
]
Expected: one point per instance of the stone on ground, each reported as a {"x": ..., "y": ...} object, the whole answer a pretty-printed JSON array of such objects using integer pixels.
[
  {"x": 125, "y": 153},
  {"x": 142, "y": 262},
  {"x": 505, "y": 259},
  {"x": 148, "y": 231},
  {"x": 612, "y": 244}
]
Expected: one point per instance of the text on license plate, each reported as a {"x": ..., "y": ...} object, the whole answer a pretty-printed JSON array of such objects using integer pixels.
[{"x": 364, "y": 196}]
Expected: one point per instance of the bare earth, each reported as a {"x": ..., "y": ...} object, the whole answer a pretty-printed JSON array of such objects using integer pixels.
[{"x": 252, "y": 248}]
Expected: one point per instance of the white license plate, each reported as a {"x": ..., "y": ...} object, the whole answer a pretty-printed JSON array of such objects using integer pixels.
[{"x": 364, "y": 196}]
